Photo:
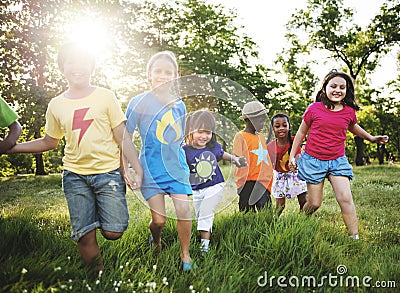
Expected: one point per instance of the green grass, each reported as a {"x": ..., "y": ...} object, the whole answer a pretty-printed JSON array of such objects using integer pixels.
[{"x": 248, "y": 251}]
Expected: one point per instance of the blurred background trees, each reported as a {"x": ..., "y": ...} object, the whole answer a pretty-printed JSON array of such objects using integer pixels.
[{"x": 207, "y": 40}]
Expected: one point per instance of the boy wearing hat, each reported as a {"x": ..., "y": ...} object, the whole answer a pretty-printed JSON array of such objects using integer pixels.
[{"x": 253, "y": 180}]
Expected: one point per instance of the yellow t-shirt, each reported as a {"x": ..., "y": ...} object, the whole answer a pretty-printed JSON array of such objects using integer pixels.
[
  {"x": 259, "y": 166},
  {"x": 87, "y": 124}
]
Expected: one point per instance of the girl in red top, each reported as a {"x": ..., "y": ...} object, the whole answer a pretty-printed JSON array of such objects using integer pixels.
[
  {"x": 286, "y": 183},
  {"x": 326, "y": 122}
]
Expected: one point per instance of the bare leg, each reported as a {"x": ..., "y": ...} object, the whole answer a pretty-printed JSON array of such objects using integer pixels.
[
  {"x": 302, "y": 199},
  {"x": 341, "y": 188},
  {"x": 205, "y": 234},
  {"x": 314, "y": 197},
  {"x": 184, "y": 224},
  {"x": 90, "y": 251},
  {"x": 111, "y": 235},
  {"x": 158, "y": 218},
  {"x": 280, "y": 205}
]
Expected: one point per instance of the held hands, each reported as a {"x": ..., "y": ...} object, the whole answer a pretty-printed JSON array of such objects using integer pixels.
[
  {"x": 5, "y": 146},
  {"x": 132, "y": 179},
  {"x": 239, "y": 161},
  {"x": 292, "y": 164},
  {"x": 381, "y": 139}
]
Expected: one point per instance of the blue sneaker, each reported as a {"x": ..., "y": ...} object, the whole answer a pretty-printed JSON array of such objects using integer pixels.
[{"x": 188, "y": 266}]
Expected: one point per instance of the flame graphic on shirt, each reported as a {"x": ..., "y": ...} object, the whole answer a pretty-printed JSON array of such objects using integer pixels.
[
  {"x": 285, "y": 159},
  {"x": 79, "y": 123},
  {"x": 166, "y": 120}
]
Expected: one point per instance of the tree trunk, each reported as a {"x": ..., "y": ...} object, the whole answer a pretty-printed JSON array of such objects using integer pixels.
[
  {"x": 359, "y": 150},
  {"x": 381, "y": 150},
  {"x": 39, "y": 165}
]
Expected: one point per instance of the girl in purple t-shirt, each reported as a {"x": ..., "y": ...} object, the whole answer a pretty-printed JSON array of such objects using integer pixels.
[
  {"x": 327, "y": 120},
  {"x": 202, "y": 155}
]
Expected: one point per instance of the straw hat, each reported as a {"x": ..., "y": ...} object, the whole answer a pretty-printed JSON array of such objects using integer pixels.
[{"x": 253, "y": 109}]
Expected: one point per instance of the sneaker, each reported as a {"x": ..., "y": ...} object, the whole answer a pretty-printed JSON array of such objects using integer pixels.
[{"x": 188, "y": 266}]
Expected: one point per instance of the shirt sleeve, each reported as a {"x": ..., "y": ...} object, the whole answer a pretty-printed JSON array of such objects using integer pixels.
[
  {"x": 116, "y": 115},
  {"x": 219, "y": 152},
  {"x": 53, "y": 127},
  {"x": 7, "y": 115},
  {"x": 132, "y": 115},
  {"x": 307, "y": 116}
]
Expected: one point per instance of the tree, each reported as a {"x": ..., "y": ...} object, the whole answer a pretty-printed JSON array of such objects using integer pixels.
[
  {"x": 328, "y": 26},
  {"x": 31, "y": 32}
]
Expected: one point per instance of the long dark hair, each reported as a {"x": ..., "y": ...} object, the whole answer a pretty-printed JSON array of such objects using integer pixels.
[
  {"x": 349, "y": 99},
  {"x": 289, "y": 136},
  {"x": 200, "y": 119}
]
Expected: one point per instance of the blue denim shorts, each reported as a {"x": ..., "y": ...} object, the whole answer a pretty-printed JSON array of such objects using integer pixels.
[
  {"x": 95, "y": 201},
  {"x": 314, "y": 171}
]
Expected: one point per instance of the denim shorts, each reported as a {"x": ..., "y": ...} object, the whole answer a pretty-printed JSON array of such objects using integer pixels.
[
  {"x": 314, "y": 171},
  {"x": 95, "y": 201}
]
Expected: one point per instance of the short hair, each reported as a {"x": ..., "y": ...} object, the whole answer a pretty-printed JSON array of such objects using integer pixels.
[{"x": 74, "y": 48}]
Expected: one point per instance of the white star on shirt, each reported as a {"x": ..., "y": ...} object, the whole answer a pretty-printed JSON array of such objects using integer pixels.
[{"x": 261, "y": 154}]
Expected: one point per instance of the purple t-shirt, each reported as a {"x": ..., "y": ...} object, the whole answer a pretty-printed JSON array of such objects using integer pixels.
[
  {"x": 203, "y": 165},
  {"x": 326, "y": 140}
]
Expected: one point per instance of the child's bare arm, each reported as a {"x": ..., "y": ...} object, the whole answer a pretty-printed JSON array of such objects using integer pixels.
[
  {"x": 237, "y": 161},
  {"x": 36, "y": 146},
  {"x": 12, "y": 137},
  {"x": 298, "y": 139},
  {"x": 129, "y": 154},
  {"x": 359, "y": 131}
]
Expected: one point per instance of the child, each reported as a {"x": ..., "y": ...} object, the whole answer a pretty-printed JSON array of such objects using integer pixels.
[
  {"x": 8, "y": 118},
  {"x": 160, "y": 118},
  {"x": 327, "y": 120},
  {"x": 202, "y": 155},
  {"x": 286, "y": 184},
  {"x": 252, "y": 181},
  {"x": 93, "y": 124}
]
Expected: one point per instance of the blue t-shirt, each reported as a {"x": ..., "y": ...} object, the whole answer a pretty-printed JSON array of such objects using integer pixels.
[
  {"x": 203, "y": 165},
  {"x": 161, "y": 129}
]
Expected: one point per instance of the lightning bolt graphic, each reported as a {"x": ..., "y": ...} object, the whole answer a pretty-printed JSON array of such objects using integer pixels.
[{"x": 79, "y": 123}]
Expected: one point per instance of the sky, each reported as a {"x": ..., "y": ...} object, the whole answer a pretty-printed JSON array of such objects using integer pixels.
[{"x": 265, "y": 21}]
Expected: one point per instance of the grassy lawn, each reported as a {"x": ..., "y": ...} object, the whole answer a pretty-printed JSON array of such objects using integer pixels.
[{"x": 249, "y": 252}]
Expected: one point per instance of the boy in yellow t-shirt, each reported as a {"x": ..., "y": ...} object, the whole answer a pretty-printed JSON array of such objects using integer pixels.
[
  {"x": 253, "y": 181},
  {"x": 93, "y": 124}
]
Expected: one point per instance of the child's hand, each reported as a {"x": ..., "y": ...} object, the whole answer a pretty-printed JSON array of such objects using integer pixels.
[
  {"x": 5, "y": 146},
  {"x": 132, "y": 179},
  {"x": 292, "y": 164},
  {"x": 381, "y": 139},
  {"x": 239, "y": 161}
]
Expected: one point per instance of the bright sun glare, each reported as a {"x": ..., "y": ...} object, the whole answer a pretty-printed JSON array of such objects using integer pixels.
[{"x": 90, "y": 33}]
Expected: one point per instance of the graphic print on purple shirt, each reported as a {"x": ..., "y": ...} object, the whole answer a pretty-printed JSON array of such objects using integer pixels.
[{"x": 203, "y": 165}]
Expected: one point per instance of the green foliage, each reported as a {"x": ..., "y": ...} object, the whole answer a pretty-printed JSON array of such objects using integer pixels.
[
  {"x": 206, "y": 40},
  {"x": 246, "y": 249},
  {"x": 328, "y": 27}
]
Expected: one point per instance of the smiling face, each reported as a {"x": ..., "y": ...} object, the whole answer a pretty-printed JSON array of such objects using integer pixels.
[
  {"x": 336, "y": 89},
  {"x": 162, "y": 71},
  {"x": 280, "y": 127},
  {"x": 77, "y": 69},
  {"x": 200, "y": 138}
]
